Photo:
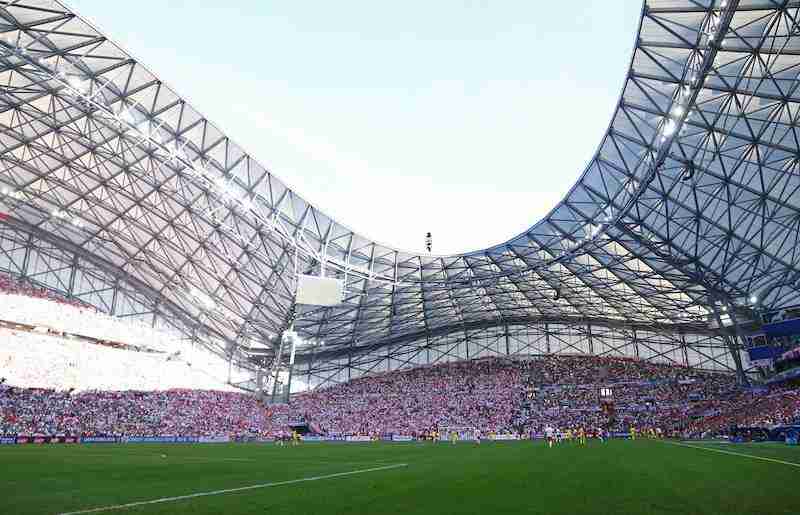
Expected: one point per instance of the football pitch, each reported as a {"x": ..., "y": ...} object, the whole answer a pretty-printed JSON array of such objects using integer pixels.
[{"x": 619, "y": 477}]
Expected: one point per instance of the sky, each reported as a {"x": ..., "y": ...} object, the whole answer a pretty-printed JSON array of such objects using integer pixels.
[{"x": 470, "y": 119}]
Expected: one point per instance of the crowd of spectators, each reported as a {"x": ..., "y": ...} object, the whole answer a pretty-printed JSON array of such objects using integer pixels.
[
  {"x": 68, "y": 319},
  {"x": 498, "y": 395},
  {"x": 566, "y": 392},
  {"x": 13, "y": 286},
  {"x": 51, "y": 341},
  {"x": 478, "y": 393},
  {"x": 153, "y": 413},
  {"x": 778, "y": 405},
  {"x": 25, "y": 305},
  {"x": 48, "y": 360},
  {"x": 524, "y": 395}
]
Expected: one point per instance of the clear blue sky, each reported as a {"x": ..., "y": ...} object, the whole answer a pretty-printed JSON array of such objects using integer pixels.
[{"x": 470, "y": 119}]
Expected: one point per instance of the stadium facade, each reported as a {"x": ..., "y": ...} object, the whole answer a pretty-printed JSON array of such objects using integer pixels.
[{"x": 678, "y": 237}]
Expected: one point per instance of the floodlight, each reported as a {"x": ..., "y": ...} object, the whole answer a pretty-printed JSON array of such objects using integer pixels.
[{"x": 669, "y": 127}]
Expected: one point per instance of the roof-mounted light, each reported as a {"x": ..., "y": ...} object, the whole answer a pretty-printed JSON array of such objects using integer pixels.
[{"x": 669, "y": 127}]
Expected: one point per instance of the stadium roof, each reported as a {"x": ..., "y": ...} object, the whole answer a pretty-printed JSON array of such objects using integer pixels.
[{"x": 690, "y": 204}]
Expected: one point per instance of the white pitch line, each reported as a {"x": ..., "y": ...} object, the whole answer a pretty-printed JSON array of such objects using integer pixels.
[
  {"x": 194, "y": 458},
  {"x": 722, "y": 451},
  {"x": 231, "y": 490}
]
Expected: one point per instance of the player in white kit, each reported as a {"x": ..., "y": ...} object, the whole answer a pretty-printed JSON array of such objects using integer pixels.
[{"x": 549, "y": 433}]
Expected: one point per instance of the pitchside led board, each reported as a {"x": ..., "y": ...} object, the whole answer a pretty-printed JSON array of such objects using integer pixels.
[{"x": 319, "y": 291}]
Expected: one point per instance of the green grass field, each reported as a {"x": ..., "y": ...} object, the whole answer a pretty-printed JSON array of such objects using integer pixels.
[{"x": 641, "y": 477}]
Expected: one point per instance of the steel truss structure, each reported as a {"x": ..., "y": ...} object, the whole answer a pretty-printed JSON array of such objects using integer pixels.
[{"x": 117, "y": 191}]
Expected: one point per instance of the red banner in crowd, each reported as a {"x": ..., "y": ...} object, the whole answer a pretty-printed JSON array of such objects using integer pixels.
[{"x": 40, "y": 439}]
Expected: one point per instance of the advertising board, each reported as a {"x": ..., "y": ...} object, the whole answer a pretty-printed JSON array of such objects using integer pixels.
[
  {"x": 99, "y": 439},
  {"x": 359, "y": 438},
  {"x": 214, "y": 439}
]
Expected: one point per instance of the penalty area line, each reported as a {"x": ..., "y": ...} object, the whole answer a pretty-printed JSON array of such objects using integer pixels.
[
  {"x": 232, "y": 490},
  {"x": 723, "y": 451}
]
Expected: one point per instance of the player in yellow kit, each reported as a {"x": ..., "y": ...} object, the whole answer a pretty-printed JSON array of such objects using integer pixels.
[{"x": 633, "y": 433}]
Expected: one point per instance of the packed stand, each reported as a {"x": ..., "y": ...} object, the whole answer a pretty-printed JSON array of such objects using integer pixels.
[
  {"x": 25, "y": 305},
  {"x": 495, "y": 395},
  {"x": 49, "y": 341},
  {"x": 47, "y": 360},
  {"x": 764, "y": 408},
  {"x": 166, "y": 413},
  {"x": 478, "y": 393},
  {"x": 564, "y": 392},
  {"x": 68, "y": 319},
  {"x": 523, "y": 395},
  {"x": 13, "y": 286}
]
